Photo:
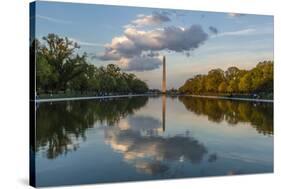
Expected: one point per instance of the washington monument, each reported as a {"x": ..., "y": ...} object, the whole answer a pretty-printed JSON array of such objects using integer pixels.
[{"x": 164, "y": 76}]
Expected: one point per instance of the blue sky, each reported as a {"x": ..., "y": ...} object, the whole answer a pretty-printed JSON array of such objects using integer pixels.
[{"x": 133, "y": 34}]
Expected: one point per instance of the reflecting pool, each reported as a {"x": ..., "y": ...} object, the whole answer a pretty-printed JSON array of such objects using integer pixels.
[{"x": 146, "y": 138}]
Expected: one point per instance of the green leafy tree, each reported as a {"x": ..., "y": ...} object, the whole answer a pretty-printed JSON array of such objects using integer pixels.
[
  {"x": 245, "y": 84},
  {"x": 214, "y": 78},
  {"x": 59, "y": 68},
  {"x": 59, "y": 53},
  {"x": 222, "y": 87},
  {"x": 233, "y": 80},
  {"x": 45, "y": 75},
  {"x": 139, "y": 86},
  {"x": 232, "y": 73},
  {"x": 233, "y": 86}
]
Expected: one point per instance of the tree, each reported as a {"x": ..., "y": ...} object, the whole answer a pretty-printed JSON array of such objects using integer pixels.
[
  {"x": 233, "y": 80},
  {"x": 245, "y": 84},
  {"x": 139, "y": 86},
  {"x": 122, "y": 85},
  {"x": 107, "y": 83},
  {"x": 263, "y": 76},
  {"x": 214, "y": 78},
  {"x": 44, "y": 75},
  {"x": 233, "y": 86},
  {"x": 59, "y": 53},
  {"x": 113, "y": 70},
  {"x": 93, "y": 80},
  {"x": 232, "y": 73},
  {"x": 60, "y": 68},
  {"x": 222, "y": 87}
]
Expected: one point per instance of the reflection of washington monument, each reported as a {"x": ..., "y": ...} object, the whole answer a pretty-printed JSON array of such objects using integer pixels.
[
  {"x": 163, "y": 112},
  {"x": 164, "y": 94}
]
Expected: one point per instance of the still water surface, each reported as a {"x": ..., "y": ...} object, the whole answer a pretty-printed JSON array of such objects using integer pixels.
[{"x": 145, "y": 138}]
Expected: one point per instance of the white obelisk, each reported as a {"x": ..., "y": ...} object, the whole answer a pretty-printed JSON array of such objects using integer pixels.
[{"x": 164, "y": 76}]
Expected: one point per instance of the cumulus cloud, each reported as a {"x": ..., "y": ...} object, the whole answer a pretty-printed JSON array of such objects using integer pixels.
[
  {"x": 213, "y": 30},
  {"x": 153, "y": 54},
  {"x": 171, "y": 38},
  {"x": 146, "y": 20},
  {"x": 138, "y": 49},
  {"x": 140, "y": 63}
]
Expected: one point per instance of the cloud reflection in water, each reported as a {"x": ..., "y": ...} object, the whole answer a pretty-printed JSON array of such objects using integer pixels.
[{"x": 152, "y": 153}]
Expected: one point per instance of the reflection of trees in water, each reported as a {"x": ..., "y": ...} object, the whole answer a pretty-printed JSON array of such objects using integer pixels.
[
  {"x": 259, "y": 114},
  {"x": 60, "y": 124}
]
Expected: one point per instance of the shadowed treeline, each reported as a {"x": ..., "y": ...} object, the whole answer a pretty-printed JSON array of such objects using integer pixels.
[
  {"x": 60, "y": 124},
  {"x": 259, "y": 115}
]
